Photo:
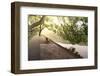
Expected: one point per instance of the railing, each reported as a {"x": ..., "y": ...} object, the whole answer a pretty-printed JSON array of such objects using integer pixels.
[{"x": 71, "y": 50}]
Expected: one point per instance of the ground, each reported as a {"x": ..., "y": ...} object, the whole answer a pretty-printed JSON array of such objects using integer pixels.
[{"x": 40, "y": 49}]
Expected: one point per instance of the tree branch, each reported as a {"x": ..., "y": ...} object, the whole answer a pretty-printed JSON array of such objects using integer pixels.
[{"x": 38, "y": 23}]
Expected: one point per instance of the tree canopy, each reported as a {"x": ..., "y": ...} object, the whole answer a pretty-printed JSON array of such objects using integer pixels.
[{"x": 71, "y": 28}]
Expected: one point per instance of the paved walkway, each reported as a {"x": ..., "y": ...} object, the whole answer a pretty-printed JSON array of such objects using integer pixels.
[{"x": 38, "y": 49}]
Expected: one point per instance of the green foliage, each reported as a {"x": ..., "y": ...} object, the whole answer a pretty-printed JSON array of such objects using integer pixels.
[
  {"x": 70, "y": 28},
  {"x": 75, "y": 33}
]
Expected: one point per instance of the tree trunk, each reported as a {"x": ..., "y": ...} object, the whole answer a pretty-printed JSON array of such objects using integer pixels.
[{"x": 40, "y": 30}]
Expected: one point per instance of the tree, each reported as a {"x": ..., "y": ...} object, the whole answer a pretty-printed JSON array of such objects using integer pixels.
[
  {"x": 76, "y": 30},
  {"x": 36, "y": 25},
  {"x": 70, "y": 28}
]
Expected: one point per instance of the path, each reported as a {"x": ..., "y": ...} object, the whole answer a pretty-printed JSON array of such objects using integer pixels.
[{"x": 39, "y": 49}]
